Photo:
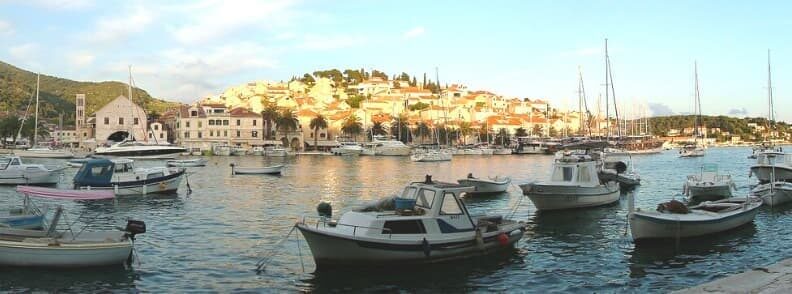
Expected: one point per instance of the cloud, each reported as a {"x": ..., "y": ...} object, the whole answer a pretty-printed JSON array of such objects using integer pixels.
[
  {"x": 24, "y": 51},
  {"x": 81, "y": 59},
  {"x": 6, "y": 28},
  {"x": 414, "y": 32},
  {"x": 59, "y": 4},
  {"x": 330, "y": 42},
  {"x": 212, "y": 19},
  {"x": 118, "y": 28},
  {"x": 659, "y": 109},
  {"x": 738, "y": 112}
]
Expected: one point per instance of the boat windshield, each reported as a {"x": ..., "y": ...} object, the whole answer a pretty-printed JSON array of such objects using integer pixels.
[
  {"x": 563, "y": 174},
  {"x": 423, "y": 199},
  {"x": 5, "y": 162}
]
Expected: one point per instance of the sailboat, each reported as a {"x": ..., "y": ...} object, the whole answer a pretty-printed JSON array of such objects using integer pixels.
[
  {"x": 41, "y": 151},
  {"x": 695, "y": 149},
  {"x": 767, "y": 145},
  {"x": 133, "y": 149}
]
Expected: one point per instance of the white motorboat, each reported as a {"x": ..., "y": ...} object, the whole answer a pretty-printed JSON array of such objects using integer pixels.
[
  {"x": 269, "y": 170},
  {"x": 762, "y": 148},
  {"x": 257, "y": 151},
  {"x": 347, "y": 148},
  {"x": 196, "y": 152},
  {"x": 574, "y": 184},
  {"x": 675, "y": 220},
  {"x": 775, "y": 193},
  {"x": 221, "y": 150},
  {"x": 122, "y": 178},
  {"x": 139, "y": 150},
  {"x": 71, "y": 248},
  {"x": 384, "y": 146},
  {"x": 486, "y": 150},
  {"x": 691, "y": 150},
  {"x": 196, "y": 162},
  {"x": 502, "y": 151},
  {"x": 526, "y": 146},
  {"x": 428, "y": 223},
  {"x": 486, "y": 186},
  {"x": 617, "y": 166},
  {"x": 14, "y": 172},
  {"x": 708, "y": 185},
  {"x": 432, "y": 155},
  {"x": 772, "y": 166},
  {"x": 44, "y": 152},
  {"x": 275, "y": 151}
]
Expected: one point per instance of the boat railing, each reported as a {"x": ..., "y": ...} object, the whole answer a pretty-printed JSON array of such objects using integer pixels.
[{"x": 325, "y": 222}]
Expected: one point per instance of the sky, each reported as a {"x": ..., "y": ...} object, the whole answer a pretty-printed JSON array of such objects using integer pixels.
[{"x": 187, "y": 50}]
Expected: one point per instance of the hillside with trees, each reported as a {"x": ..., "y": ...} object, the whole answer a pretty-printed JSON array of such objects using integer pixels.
[
  {"x": 57, "y": 95},
  {"x": 728, "y": 125}
]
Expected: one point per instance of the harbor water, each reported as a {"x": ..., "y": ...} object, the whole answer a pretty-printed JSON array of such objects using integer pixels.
[{"x": 212, "y": 238}]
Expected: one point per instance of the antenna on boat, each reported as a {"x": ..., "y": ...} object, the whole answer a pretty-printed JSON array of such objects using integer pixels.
[{"x": 428, "y": 179}]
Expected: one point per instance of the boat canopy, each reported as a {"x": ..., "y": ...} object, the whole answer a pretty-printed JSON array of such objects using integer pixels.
[
  {"x": 95, "y": 172},
  {"x": 52, "y": 193}
]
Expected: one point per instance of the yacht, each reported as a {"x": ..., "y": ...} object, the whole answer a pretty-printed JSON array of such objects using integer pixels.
[
  {"x": 389, "y": 147},
  {"x": 574, "y": 184},
  {"x": 139, "y": 150},
  {"x": 428, "y": 223},
  {"x": 275, "y": 151},
  {"x": 347, "y": 147},
  {"x": 14, "y": 172}
]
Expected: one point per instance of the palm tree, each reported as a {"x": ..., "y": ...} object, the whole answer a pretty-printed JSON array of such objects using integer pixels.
[
  {"x": 520, "y": 132},
  {"x": 352, "y": 126},
  {"x": 503, "y": 136},
  {"x": 377, "y": 128},
  {"x": 423, "y": 130},
  {"x": 318, "y": 122},
  {"x": 400, "y": 124},
  {"x": 269, "y": 115},
  {"x": 286, "y": 122}
]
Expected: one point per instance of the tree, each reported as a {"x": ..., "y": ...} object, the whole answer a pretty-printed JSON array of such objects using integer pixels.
[
  {"x": 520, "y": 132},
  {"x": 400, "y": 128},
  {"x": 396, "y": 85},
  {"x": 503, "y": 137},
  {"x": 352, "y": 126},
  {"x": 287, "y": 121},
  {"x": 464, "y": 130},
  {"x": 308, "y": 80},
  {"x": 269, "y": 115},
  {"x": 318, "y": 122},
  {"x": 553, "y": 132},
  {"x": 419, "y": 106},
  {"x": 377, "y": 128},
  {"x": 378, "y": 74},
  {"x": 414, "y": 83},
  {"x": 354, "y": 100},
  {"x": 423, "y": 130},
  {"x": 9, "y": 127},
  {"x": 537, "y": 130},
  {"x": 353, "y": 76}
]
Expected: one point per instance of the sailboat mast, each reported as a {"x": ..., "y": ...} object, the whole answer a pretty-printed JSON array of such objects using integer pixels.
[
  {"x": 770, "y": 114},
  {"x": 35, "y": 127},
  {"x": 697, "y": 102},
  {"x": 607, "y": 95}
]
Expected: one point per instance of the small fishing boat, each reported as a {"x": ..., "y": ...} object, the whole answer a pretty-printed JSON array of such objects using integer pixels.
[
  {"x": 28, "y": 217},
  {"x": 15, "y": 172},
  {"x": 267, "y": 170},
  {"x": 186, "y": 162},
  {"x": 256, "y": 151},
  {"x": 486, "y": 186},
  {"x": 238, "y": 151},
  {"x": 617, "y": 166},
  {"x": 708, "y": 185},
  {"x": 124, "y": 179},
  {"x": 275, "y": 151},
  {"x": 675, "y": 220},
  {"x": 428, "y": 223},
  {"x": 70, "y": 248},
  {"x": 772, "y": 166},
  {"x": 691, "y": 150},
  {"x": 221, "y": 150},
  {"x": 775, "y": 193},
  {"x": 574, "y": 184}
]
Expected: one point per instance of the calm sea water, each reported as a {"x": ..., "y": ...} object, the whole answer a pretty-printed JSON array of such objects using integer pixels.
[{"x": 211, "y": 239}]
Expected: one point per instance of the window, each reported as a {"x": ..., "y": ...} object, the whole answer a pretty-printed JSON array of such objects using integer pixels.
[
  {"x": 239, "y": 122},
  {"x": 225, "y": 133},
  {"x": 404, "y": 227},
  {"x": 450, "y": 205},
  {"x": 120, "y": 120},
  {"x": 237, "y": 133},
  {"x": 162, "y": 136},
  {"x": 187, "y": 124},
  {"x": 225, "y": 122},
  {"x": 254, "y": 122},
  {"x": 187, "y": 135},
  {"x": 211, "y": 122},
  {"x": 322, "y": 135},
  {"x": 200, "y": 124},
  {"x": 85, "y": 134},
  {"x": 425, "y": 198},
  {"x": 563, "y": 174},
  {"x": 194, "y": 113},
  {"x": 151, "y": 135},
  {"x": 200, "y": 135},
  {"x": 178, "y": 125},
  {"x": 568, "y": 173},
  {"x": 583, "y": 174},
  {"x": 254, "y": 134},
  {"x": 136, "y": 121},
  {"x": 156, "y": 127},
  {"x": 211, "y": 133},
  {"x": 107, "y": 120}
]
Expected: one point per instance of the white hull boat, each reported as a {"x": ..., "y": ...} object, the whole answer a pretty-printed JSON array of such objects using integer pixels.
[
  {"x": 221, "y": 150},
  {"x": 124, "y": 180},
  {"x": 187, "y": 162},
  {"x": 138, "y": 150},
  {"x": 703, "y": 219},
  {"x": 350, "y": 149},
  {"x": 775, "y": 193},
  {"x": 485, "y": 186},
  {"x": 573, "y": 184},
  {"x": 617, "y": 166},
  {"x": 14, "y": 172},
  {"x": 432, "y": 156},
  {"x": 86, "y": 249},
  {"x": 691, "y": 152},
  {"x": 44, "y": 153},
  {"x": 502, "y": 151},
  {"x": 275, "y": 169},
  {"x": 427, "y": 224},
  {"x": 709, "y": 185},
  {"x": 275, "y": 152},
  {"x": 256, "y": 151},
  {"x": 646, "y": 151}
]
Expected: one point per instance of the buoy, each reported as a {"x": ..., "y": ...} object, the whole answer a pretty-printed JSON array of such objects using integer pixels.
[
  {"x": 324, "y": 209},
  {"x": 503, "y": 239}
]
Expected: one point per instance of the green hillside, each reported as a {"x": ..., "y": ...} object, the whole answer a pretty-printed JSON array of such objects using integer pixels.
[{"x": 57, "y": 94}]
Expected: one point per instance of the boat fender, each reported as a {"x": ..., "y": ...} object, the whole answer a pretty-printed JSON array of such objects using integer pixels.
[
  {"x": 503, "y": 239},
  {"x": 479, "y": 239},
  {"x": 427, "y": 249}
]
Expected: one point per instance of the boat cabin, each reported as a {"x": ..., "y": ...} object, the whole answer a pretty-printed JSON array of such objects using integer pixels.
[
  {"x": 774, "y": 158},
  {"x": 575, "y": 170},
  {"x": 101, "y": 172},
  {"x": 422, "y": 208},
  {"x": 8, "y": 161}
]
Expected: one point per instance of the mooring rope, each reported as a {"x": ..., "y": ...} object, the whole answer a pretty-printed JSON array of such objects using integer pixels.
[{"x": 262, "y": 264}]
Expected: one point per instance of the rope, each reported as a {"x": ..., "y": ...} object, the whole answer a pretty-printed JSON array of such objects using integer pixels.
[
  {"x": 517, "y": 205},
  {"x": 262, "y": 264},
  {"x": 187, "y": 178}
]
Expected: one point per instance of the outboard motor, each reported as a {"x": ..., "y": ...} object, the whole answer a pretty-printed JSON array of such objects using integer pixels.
[
  {"x": 621, "y": 167},
  {"x": 134, "y": 227},
  {"x": 324, "y": 209}
]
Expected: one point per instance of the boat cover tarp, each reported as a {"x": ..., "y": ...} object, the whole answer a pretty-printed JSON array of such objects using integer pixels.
[
  {"x": 95, "y": 172},
  {"x": 52, "y": 193}
]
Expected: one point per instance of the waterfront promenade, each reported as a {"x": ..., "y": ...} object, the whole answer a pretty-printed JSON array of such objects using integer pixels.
[{"x": 776, "y": 278}]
